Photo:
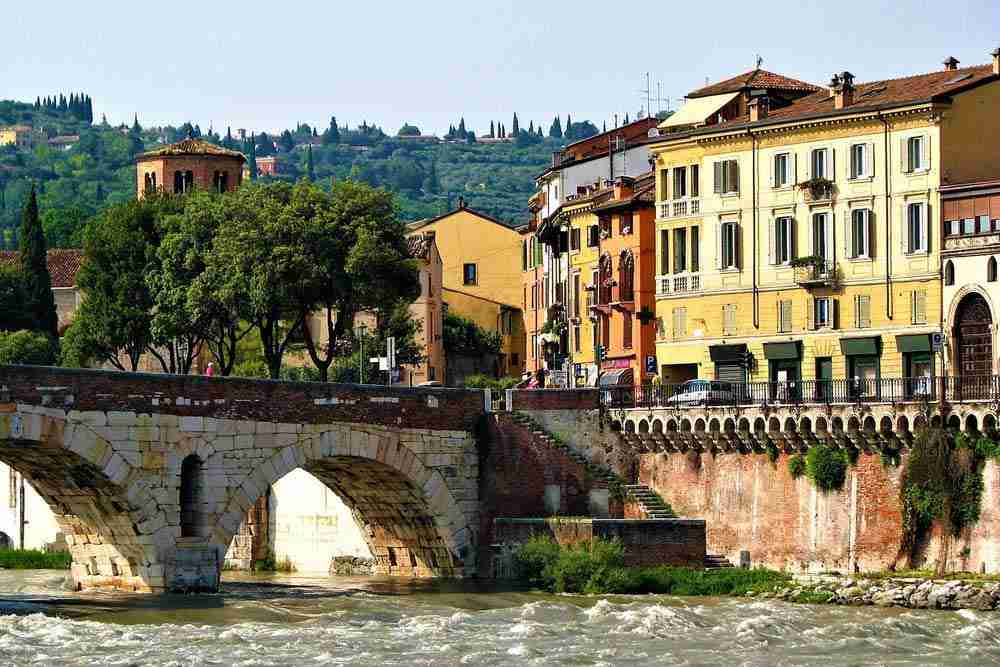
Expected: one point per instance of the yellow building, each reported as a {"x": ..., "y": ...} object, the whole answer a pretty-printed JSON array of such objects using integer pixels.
[
  {"x": 481, "y": 276},
  {"x": 583, "y": 255},
  {"x": 816, "y": 229},
  {"x": 22, "y": 136}
]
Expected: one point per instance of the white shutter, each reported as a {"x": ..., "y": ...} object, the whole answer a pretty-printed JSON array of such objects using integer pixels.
[
  {"x": 717, "y": 184},
  {"x": 737, "y": 246},
  {"x": 925, "y": 158},
  {"x": 772, "y": 234},
  {"x": 870, "y": 166},
  {"x": 832, "y": 152},
  {"x": 793, "y": 240},
  {"x": 904, "y": 230},
  {"x": 924, "y": 216},
  {"x": 795, "y": 168},
  {"x": 849, "y": 235},
  {"x": 903, "y": 162},
  {"x": 829, "y": 237},
  {"x": 774, "y": 169},
  {"x": 718, "y": 246},
  {"x": 810, "y": 312},
  {"x": 809, "y": 162}
]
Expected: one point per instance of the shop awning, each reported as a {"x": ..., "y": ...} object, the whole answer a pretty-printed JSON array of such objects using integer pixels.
[
  {"x": 731, "y": 353},
  {"x": 696, "y": 111},
  {"x": 616, "y": 377},
  {"x": 914, "y": 343},
  {"x": 791, "y": 350},
  {"x": 859, "y": 346}
]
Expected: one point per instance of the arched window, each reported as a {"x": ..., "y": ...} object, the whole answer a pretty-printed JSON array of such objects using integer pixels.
[
  {"x": 178, "y": 182},
  {"x": 148, "y": 187},
  {"x": 604, "y": 280},
  {"x": 991, "y": 270},
  {"x": 626, "y": 277},
  {"x": 191, "y": 496},
  {"x": 221, "y": 181},
  {"x": 949, "y": 273}
]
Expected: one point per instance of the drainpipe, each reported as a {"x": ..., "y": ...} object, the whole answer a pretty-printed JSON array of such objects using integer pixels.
[
  {"x": 753, "y": 202},
  {"x": 888, "y": 221}
]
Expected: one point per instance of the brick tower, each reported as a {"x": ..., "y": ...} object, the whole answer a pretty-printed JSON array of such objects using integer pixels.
[{"x": 186, "y": 165}]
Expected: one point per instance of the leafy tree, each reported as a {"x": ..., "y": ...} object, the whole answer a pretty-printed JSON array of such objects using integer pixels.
[
  {"x": 12, "y": 297},
  {"x": 286, "y": 142},
  {"x": 578, "y": 131},
  {"x": 27, "y": 347},
  {"x": 332, "y": 134},
  {"x": 492, "y": 131},
  {"x": 252, "y": 159},
  {"x": 408, "y": 131},
  {"x": 39, "y": 303},
  {"x": 431, "y": 183},
  {"x": 461, "y": 129},
  {"x": 265, "y": 145},
  {"x": 64, "y": 227},
  {"x": 310, "y": 167}
]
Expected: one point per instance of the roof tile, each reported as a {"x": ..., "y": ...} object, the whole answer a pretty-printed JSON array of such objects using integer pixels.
[
  {"x": 63, "y": 265},
  {"x": 757, "y": 78}
]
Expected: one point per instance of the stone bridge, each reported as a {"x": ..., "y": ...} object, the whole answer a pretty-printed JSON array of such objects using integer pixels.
[{"x": 150, "y": 475}]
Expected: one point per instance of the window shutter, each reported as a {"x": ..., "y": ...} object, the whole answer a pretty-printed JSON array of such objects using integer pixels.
[
  {"x": 795, "y": 168},
  {"x": 849, "y": 244},
  {"x": 857, "y": 311},
  {"x": 829, "y": 236},
  {"x": 870, "y": 166},
  {"x": 811, "y": 314},
  {"x": 834, "y": 313},
  {"x": 735, "y": 175},
  {"x": 717, "y": 184},
  {"x": 772, "y": 234},
  {"x": 921, "y": 307},
  {"x": 737, "y": 246},
  {"x": 904, "y": 230},
  {"x": 774, "y": 170},
  {"x": 809, "y": 165},
  {"x": 925, "y": 158},
  {"x": 793, "y": 241},
  {"x": 832, "y": 152},
  {"x": 904, "y": 162},
  {"x": 866, "y": 313},
  {"x": 924, "y": 236}
]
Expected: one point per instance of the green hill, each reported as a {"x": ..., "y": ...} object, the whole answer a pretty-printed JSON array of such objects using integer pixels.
[{"x": 426, "y": 175}]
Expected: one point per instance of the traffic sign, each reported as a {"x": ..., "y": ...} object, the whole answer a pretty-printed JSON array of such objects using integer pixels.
[{"x": 937, "y": 340}]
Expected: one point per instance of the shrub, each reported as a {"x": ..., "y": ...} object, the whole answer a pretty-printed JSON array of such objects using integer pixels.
[
  {"x": 481, "y": 381},
  {"x": 796, "y": 466},
  {"x": 34, "y": 559},
  {"x": 772, "y": 451},
  {"x": 534, "y": 559},
  {"x": 251, "y": 369},
  {"x": 27, "y": 347},
  {"x": 826, "y": 467}
]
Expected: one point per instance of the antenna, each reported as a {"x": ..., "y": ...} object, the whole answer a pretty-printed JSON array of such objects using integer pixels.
[
  {"x": 648, "y": 92},
  {"x": 760, "y": 61},
  {"x": 659, "y": 99}
]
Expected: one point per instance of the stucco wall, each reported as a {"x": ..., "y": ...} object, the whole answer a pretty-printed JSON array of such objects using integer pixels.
[{"x": 40, "y": 529}]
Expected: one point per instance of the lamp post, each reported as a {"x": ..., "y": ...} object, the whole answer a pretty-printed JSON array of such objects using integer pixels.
[{"x": 360, "y": 333}]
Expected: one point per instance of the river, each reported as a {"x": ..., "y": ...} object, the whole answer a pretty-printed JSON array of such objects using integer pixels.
[{"x": 297, "y": 620}]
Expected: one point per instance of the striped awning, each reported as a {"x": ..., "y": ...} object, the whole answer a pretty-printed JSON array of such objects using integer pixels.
[{"x": 616, "y": 377}]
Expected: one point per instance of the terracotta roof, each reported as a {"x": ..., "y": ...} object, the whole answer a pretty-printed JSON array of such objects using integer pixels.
[
  {"x": 420, "y": 245},
  {"x": 190, "y": 147},
  {"x": 65, "y": 139},
  {"x": 894, "y": 92},
  {"x": 417, "y": 224},
  {"x": 757, "y": 78},
  {"x": 63, "y": 265}
]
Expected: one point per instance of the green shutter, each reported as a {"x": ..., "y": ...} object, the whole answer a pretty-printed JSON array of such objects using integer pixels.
[{"x": 914, "y": 343}]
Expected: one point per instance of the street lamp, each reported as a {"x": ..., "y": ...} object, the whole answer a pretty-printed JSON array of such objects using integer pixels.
[{"x": 360, "y": 334}]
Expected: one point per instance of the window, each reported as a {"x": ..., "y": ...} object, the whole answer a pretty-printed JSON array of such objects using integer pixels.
[
  {"x": 983, "y": 224},
  {"x": 574, "y": 238},
  {"x": 949, "y": 273},
  {"x": 693, "y": 185},
  {"x": 916, "y": 227},
  {"x": 862, "y": 311},
  {"x": 183, "y": 182},
  {"x": 469, "y": 274},
  {"x": 626, "y": 222},
  {"x": 821, "y": 235},
  {"x": 534, "y": 295},
  {"x": 593, "y": 236},
  {"x": 592, "y": 294},
  {"x": 991, "y": 270},
  {"x": 220, "y": 181},
  {"x": 680, "y": 250},
  {"x": 782, "y": 252},
  {"x": 729, "y": 319},
  {"x": 627, "y": 330},
  {"x": 534, "y": 346},
  {"x": 626, "y": 277},
  {"x": 664, "y": 251},
  {"x": 605, "y": 330},
  {"x": 729, "y": 242},
  {"x": 576, "y": 338},
  {"x": 784, "y": 316},
  {"x": 515, "y": 359},
  {"x": 150, "y": 186},
  {"x": 782, "y": 177},
  {"x": 861, "y": 166},
  {"x": 820, "y": 162},
  {"x": 604, "y": 282},
  {"x": 918, "y": 306},
  {"x": 916, "y": 148},
  {"x": 191, "y": 493},
  {"x": 664, "y": 184},
  {"x": 524, "y": 256},
  {"x": 861, "y": 228},
  {"x": 576, "y": 295},
  {"x": 727, "y": 177},
  {"x": 680, "y": 183},
  {"x": 694, "y": 249},
  {"x": 539, "y": 250},
  {"x": 822, "y": 312},
  {"x": 680, "y": 322}
]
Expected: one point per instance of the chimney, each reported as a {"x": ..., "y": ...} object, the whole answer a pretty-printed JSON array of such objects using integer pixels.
[
  {"x": 842, "y": 86},
  {"x": 759, "y": 107},
  {"x": 950, "y": 64},
  {"x": 996, "y": 62}
]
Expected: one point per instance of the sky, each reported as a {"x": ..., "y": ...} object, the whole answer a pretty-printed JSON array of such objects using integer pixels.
[{"x": 268, "y": 65}]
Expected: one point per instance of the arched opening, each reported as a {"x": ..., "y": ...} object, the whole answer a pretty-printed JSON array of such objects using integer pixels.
[
  {"x": 759, "y": 426},
  {"x": 919, "y": 423},
  {"x": 991, "y": 270},
  {"x": 629, "y": 426},
  {"x": 789, "y": 425},
  {"x": 954, "y": 423},
  {"x": 949, "y": 273},
  {"x": 869, "y": 424},
  {"x": 730, "y": 425},
  {"x": 885, "y": 425},
  {"x": 821, "y": 426},
  {"x": 643, "y": 426},
  {"x": 853, "y": 425},
  {"x": 714, "y": 426},
  {"x": 657, "y": 426},
  {"x": 192, "y": 497},
  {"x": 604, "y": 279},
  {"x": 973, "y": 342},
  {"x": 699, "y": 425},
  {"x": 626, "y": 277},
  {"x": 672, "y": 425},
  {"x": 838, "y": 425},
  {"x": 989, "y": 424},
  {"x": 686, "y": 425},
  {"x": 902, "y": 425},
  {"x": 773, "y": 425},
  {"x": 971, "y": 424},
  {"x": 220, "y": 182},
  {"x": 744, "y": 426},
  {"x": 805, "y": 427}
]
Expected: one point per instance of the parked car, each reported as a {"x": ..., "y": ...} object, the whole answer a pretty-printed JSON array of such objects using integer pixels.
[{"x": 703, "y": 392}]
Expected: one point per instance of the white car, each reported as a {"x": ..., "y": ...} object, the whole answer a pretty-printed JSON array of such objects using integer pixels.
[{"x": 702, "y": 392}]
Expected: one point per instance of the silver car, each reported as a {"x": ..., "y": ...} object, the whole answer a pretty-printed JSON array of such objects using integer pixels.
[{"x": 703, "y": 392}]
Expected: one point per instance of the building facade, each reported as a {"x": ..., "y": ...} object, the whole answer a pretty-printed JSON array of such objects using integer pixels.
[
  {"x": 21, "y": 136},
  {"x": 187, "y": 165},
  {"x": 818, "y": 257}
]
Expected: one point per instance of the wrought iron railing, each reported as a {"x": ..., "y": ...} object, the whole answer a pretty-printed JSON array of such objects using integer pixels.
[{"x": 961, "y": 389}]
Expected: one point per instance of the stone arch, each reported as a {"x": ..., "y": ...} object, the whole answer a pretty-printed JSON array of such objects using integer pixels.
[
  {"x": 629, "y": 426},
  {"x": 643, "y": 426},
  {"x": 714, "y": 426},
  {"x": 790, "y": 426},
  {"x": 730, "y": 425},
  {"x": 965, "y": 298},
  {"x": 773, "y": 425},
  {"x": 115, "y": 533},
  {"x": 954, "y": 423},
  {"x": 686, "y": 425},
  {"x": 902, "y": 425},
  {"x": 657, "y": 426},
  {"x": 672, "y": 425},
  {"x": 869, "y": 424},
  {"x": 936, "y": 421},
  {"x": 192, "y": 496},
  {"x": 616, "y": 425},
  {"x": 971, "y": 424},
  {"x": 991, "y": 270},
  {"x": 805, "y": 426},
  {"x": 853, "y": 425},
  {"x": 821, "y": 425},
  {"x": 699, "y": 425},
  {"x": 919, "y": 423},
  {"x": 759, "y": 426},
  {"x": 838, "y": 425},
  {"x": 409, "y": 517},
  {"x": 989, "y": 423},
  {"x": 744, "y": 425},
  {"x": 949, "y": 273}
]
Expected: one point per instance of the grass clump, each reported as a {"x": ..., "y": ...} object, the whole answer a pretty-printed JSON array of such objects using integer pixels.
[
  {"x": 598, "y": 567},
  {"x": 826, "y": 467},
  {"x": 34, "y": 559},
  {"x": 797, "y": 466},
  {"x": 271, "y": 564}
]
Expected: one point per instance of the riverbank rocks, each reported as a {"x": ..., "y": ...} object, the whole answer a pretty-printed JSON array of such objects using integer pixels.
[
  {"x": 895, "y": 592},
  {"x": 350, "y": 566}
]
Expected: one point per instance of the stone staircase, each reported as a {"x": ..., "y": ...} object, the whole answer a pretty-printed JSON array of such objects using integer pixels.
[
  {"x": 716, "y": 562},
  {"x": 651, "y": 504}
]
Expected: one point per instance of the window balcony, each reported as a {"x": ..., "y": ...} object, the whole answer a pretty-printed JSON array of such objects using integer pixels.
[
  {"x": 679, "y": 208},
  {"x": 679, "y": 284},
  {"x": 816, "y": 272}
]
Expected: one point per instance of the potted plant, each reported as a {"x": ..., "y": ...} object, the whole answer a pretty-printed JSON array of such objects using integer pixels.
[{"x": 818, "y": 188}]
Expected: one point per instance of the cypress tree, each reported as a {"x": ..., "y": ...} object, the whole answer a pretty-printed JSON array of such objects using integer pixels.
[
  {"x": 531, "y": 127},
  {"x": 514, "y": 129},
  {"x": 90, "y": 110},
  {"x": 253, "y": 157},
  {"x": 310, "y": 168},
  {"x": 461, "y": 128},
  {"x": 38, "y": 103},
  {"x": 569, "y": 126},
  {"x": 39, "y": 303},
  {"x": 492, "y": 131}
]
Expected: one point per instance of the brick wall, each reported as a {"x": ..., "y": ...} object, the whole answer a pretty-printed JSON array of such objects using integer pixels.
[
  {"x": 677, "y": 542},
  {"x": 239, "y": 398},
  {"x": 554, "y": 399}
]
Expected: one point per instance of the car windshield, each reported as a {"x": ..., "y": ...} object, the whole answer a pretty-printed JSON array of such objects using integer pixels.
[{"x": 694, "y": 385}]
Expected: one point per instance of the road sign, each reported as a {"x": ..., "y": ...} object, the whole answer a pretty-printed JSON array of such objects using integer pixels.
[
  {"x": 651, "y": 363},
  {"x": 937, "y": 340}
]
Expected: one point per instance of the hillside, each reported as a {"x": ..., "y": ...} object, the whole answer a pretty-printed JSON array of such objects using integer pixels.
[{"x": 427, "y": 176}]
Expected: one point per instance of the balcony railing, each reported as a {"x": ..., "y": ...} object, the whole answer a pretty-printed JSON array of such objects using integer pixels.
[
  {"x": 679, "y": 208},
  {"x": 689, "y": 282},
  {"x": 819, "y": 273},
  {"x": 962, "y": 389}
]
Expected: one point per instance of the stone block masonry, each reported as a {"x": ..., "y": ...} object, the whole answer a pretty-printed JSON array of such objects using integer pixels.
[{"x": 150, "y": 476}]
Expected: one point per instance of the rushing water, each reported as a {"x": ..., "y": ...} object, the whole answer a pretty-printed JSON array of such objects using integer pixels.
[{"x": 293, "y": 620}]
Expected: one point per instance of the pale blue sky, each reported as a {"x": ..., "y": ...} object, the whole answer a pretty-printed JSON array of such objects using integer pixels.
[{"x": 266, "y": 65}]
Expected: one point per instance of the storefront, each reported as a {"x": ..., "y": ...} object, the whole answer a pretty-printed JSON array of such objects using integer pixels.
[
  {"x": 918, "y": 363},
  {"x": 784, "y": 361},
  {"x": 863, "y": 364},
  {"x": 730, "y": 362}
]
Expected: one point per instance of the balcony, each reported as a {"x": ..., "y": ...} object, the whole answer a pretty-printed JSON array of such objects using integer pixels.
[
  {"x": 814, "y": 272},
  {"x": 689, "y": 282},
  {"x": 679, "y": 208}
]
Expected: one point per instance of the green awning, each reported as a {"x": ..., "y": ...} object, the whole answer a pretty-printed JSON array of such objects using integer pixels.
[
  {"x": 859, "y": 346},
  {"x": 782, "y": 350},
  {"x": 727, "y": 353},
  {"x": 914, "y": 343}
]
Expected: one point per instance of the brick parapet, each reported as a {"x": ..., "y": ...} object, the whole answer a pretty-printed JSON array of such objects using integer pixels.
[
  {"x": 554, "y": 399},
  {"x": 241, "y": 398}
]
